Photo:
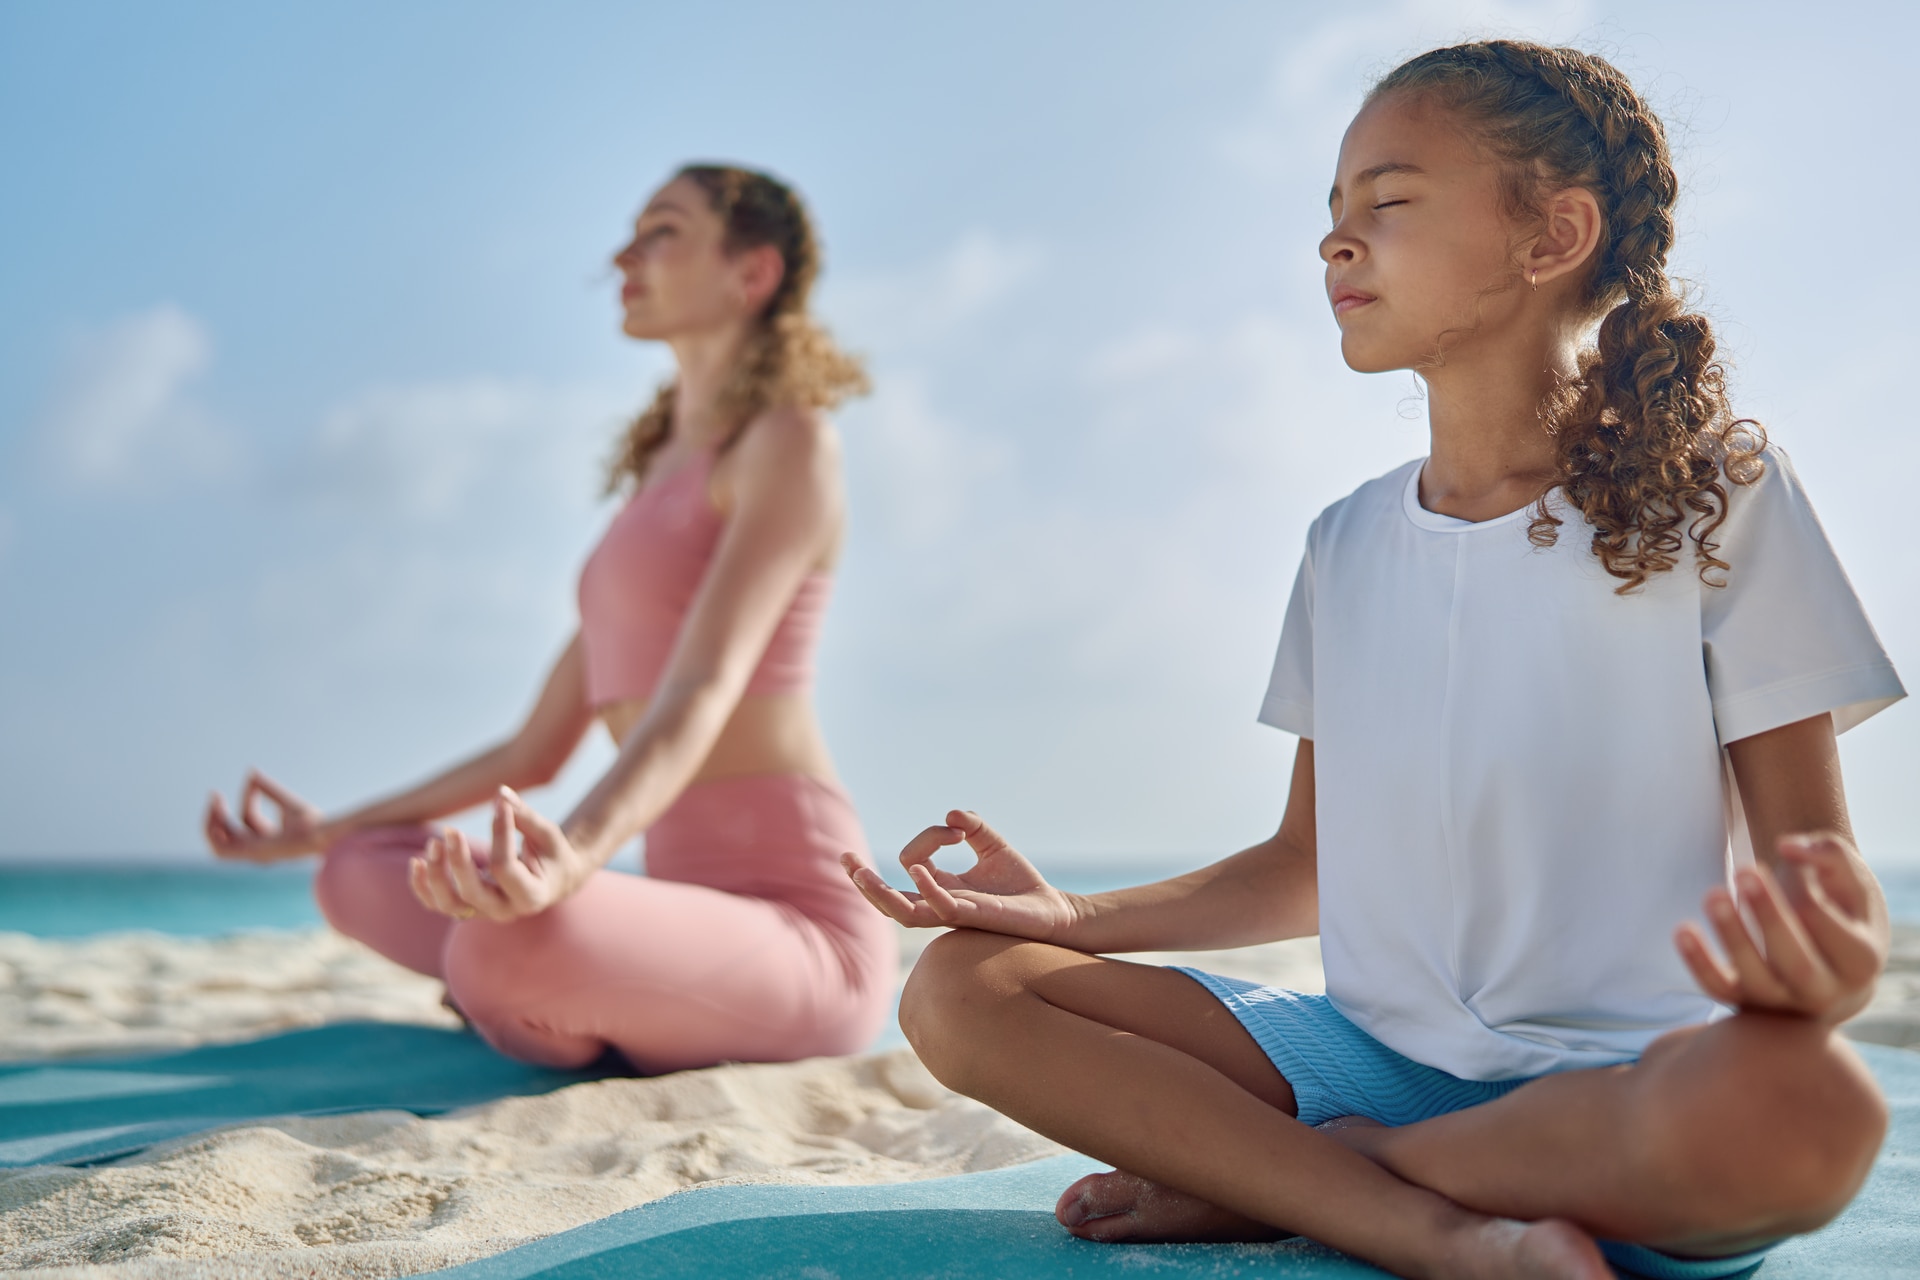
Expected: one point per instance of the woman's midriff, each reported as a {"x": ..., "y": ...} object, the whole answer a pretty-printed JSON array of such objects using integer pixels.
[{"x": 767, "y": 733}]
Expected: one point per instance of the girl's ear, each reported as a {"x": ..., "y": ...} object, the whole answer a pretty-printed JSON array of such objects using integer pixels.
[
  {"x": 757, "y": 273},
  {"x": 1571, "y": 227}
]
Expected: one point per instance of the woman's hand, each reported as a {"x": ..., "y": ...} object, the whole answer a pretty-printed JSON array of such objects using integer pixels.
[
  {"x": 1822, "y": 935},
  {"x": 1001, "y": 893},
  {"x": 253, "y": 838},
  {"x": 508, "y": 882}
]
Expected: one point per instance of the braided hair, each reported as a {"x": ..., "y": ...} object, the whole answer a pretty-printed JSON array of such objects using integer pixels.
[
  {"x": 788, "y": 359},
  {"x": 1644, "y": 433}
]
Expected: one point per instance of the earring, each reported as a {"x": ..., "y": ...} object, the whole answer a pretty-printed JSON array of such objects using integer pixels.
[{"x": 1534, "y": 279}]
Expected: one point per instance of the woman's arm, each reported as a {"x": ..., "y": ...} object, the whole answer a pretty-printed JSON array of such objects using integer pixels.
[
  {"x": 1821, "y": 919},
  {"x": 531, "y": 757},
  {"x": 785, "y": 511},
  {"x": 1261, "y": 894}
]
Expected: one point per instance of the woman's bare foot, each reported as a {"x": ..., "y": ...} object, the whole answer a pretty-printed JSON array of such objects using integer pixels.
[{"x": 1115, "y": 1207}]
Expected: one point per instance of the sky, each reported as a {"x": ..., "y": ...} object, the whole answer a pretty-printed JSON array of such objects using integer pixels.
[{"x": 309, "y": 360}]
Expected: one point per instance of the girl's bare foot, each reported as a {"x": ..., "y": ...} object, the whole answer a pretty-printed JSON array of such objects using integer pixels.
[
  {"x": 1502, "y": 1249},
  {"x": 1114, "y": 1207},
  {"x": 1117, "y": 1207}
]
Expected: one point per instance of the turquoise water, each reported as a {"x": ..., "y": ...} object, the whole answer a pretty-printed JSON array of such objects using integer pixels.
[{"x": 67, "y": 901}]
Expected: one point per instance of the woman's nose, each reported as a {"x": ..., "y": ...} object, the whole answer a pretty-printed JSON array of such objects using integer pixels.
[{"x": 1335, "y": 246}]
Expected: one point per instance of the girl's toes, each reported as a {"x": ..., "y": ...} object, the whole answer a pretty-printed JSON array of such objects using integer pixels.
[
  {"x": 1111, "y": 1207},
  {"x": 1098, "y": 1195}
]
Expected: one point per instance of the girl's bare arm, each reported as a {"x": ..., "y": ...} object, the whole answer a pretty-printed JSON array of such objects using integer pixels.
[
  {"x": 1820, "y": 917},
  {"x": 1261, "y": 894}
]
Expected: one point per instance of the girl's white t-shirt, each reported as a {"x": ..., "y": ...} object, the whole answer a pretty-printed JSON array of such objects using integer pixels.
[{"x": 1518, "y": 774}]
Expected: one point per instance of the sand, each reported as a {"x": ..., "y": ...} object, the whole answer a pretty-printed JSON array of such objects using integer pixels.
[{"x": 391, "y": 1194}]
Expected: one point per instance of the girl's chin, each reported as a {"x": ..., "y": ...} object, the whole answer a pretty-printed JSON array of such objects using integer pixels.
[{"x": 1366, "y": 353}]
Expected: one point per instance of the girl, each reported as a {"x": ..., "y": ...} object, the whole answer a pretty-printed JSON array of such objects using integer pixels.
[
  {"x": 699, "y": 612},
  {"x": 1539, "y": 679}
]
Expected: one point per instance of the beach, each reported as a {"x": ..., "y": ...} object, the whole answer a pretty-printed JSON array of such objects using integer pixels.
[{"x": 386, "y": 1193}]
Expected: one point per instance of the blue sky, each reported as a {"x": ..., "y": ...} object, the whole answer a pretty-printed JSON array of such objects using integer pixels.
[{"x": 308, "y": 358}]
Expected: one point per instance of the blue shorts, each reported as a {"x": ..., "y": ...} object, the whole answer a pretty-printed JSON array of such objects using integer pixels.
[{"x": 1336, "y": 1069}]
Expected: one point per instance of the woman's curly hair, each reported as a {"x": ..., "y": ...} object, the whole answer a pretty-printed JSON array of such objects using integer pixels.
[
  {"x": 1643, "y": 432},
  {"x": 788, "y": 359}
]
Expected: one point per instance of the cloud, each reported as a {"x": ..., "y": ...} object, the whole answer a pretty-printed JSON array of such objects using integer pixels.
[
  {"x": 1141, "y": 354},
  {"x": 921, "y": 304},
  {"x": 125, "y": 415},
  {"x": 451, "y": 451},
  {"x": 923, "y": 469},
  {"x": 1311, "y": 92}
]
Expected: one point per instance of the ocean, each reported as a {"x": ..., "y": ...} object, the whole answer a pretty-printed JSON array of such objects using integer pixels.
[{"x": 76, "y": 899}]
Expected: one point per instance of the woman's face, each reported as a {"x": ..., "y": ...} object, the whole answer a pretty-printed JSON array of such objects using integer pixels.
[
  {"x": 676, "y": 275},
  {"x": 1421, "y": 250}
]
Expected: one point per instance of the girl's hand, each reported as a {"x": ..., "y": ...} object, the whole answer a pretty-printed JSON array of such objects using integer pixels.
[
  {"x": 508, "y": 882},
  {"x": 1822, "y": 935},
  {"x": 254, "y": 838},
  {"x": 1001, "y": 893}
]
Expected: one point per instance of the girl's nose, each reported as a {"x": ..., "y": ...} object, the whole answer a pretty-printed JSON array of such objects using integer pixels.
[{"x": 1338, "y": 247}]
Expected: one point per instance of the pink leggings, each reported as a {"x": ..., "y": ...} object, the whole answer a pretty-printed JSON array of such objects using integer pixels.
[{"x": 743, "y": 942}]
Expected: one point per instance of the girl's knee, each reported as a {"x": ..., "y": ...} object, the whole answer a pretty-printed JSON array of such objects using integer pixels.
[
  {"x": 1779, "y": 1118},
  {"x": 953, "y": 988}
]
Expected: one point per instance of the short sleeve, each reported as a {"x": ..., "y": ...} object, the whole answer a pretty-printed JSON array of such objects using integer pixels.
[
  {"x": 1288, "y": 705},
  {"x": 1786, "y": 638}
]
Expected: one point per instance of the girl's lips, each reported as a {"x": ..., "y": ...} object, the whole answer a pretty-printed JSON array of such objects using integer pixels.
[{"x": 1345, "y": 300}]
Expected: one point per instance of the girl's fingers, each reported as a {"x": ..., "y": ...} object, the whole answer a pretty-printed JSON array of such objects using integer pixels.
[
  {"x": 1714, "y": 978},
  {"x": 1842, "y": 942},
  {"x": 886, "y": 899},
  {"x": 980, "y": 837},
  {"x": 1826, "y": 860},
  {"x": 1758, "y": 985},
  {"x": 1790, "y": 954},
  {"x": 922, "y": 847},
  {"x": 944, "y": 904}
]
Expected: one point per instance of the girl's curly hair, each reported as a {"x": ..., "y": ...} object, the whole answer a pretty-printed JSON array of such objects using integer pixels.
[
  {"x": 1643, "y": 432},
  {"x": 789, "y": 359}
]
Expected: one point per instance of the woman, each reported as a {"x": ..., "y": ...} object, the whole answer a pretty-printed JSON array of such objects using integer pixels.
[{"x": 699, "y": 613}]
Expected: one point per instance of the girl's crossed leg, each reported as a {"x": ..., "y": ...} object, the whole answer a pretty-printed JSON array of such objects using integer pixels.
[{"x": 1720, "y": 1139}]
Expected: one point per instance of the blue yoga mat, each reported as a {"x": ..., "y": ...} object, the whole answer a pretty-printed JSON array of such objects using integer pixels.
[
  {"x": 1000, "y": 1224},
  {"x": 86, "y": 1110}
]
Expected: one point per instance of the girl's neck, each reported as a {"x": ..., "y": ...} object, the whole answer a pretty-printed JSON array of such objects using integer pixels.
[
  {"x": 1491, "y": 453},
  {"x": 706, "y": 361}
]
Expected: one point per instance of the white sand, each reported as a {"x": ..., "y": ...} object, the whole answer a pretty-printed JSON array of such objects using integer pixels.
[{"x": 390, "y": 1194}]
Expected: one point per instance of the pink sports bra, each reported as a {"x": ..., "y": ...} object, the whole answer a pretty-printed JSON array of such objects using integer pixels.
[{"x": 639, "y": 582}]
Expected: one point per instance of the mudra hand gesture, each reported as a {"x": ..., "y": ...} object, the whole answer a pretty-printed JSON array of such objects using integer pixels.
[
  {"x": 1001, "y": 893},
  {"x": 530, "y": 866},
  {"x": 253, "y": 837}
]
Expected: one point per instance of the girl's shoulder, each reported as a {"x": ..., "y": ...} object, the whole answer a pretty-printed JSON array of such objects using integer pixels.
[{"x": 1370, "y": 504}]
